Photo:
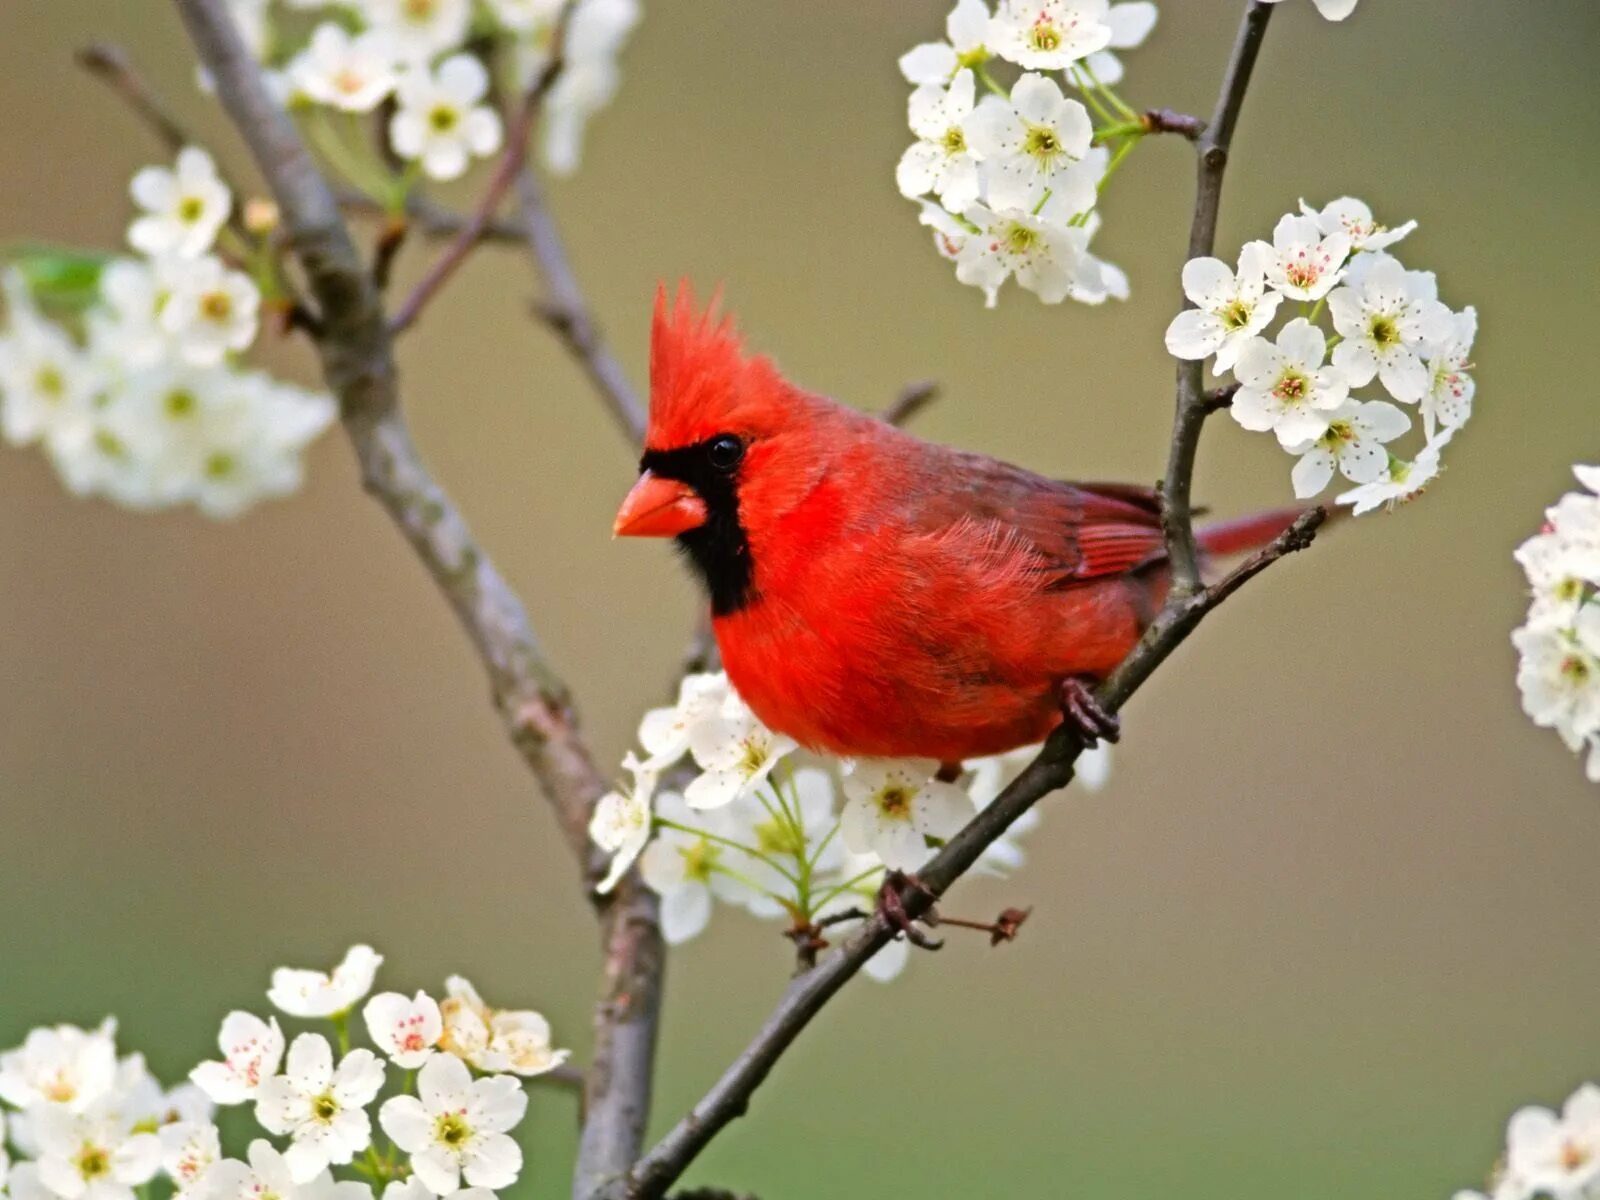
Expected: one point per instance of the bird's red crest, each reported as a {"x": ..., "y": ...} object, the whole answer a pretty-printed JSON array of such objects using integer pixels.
[{"x": 701, "y": 380}]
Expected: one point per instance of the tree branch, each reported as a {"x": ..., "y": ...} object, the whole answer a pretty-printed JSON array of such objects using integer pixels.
[
  {"x": 358, "y": 363},
  {"x": 428, "y": 217},
  {"x": 1186, "y": 606},
  {"x": 564, "y": 309},
  {"x": 518, "y": 134},
  {"x": 1177, "y": 516}
]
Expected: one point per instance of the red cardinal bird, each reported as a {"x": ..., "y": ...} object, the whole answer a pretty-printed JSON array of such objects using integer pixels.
[{"x": 875, "y": 594}]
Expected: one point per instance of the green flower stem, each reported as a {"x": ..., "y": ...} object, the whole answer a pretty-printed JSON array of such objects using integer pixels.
[
  {"x": 990, "y": 82},
  {"x": 1117, "y": 155},
  {"x": 353, "y": 164},
  {"x": 821, "y": 846},
  {"x": 1316, "y": 311},
  {"x": 1119, "y": 129},
  {"x": 341, "y": 1027},
  {"x": 664, "y": 823},
  {"x": 841, "y": 889},
  {"x": 1100, "y": 110},
  {"x": 1107, "y": 91},
  {"x": 744, "y": 880}
]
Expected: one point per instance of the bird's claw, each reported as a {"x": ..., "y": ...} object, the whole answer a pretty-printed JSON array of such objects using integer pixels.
[
  {"x": 1083, "y": 711},
  {"x": 893, "y": 909}
]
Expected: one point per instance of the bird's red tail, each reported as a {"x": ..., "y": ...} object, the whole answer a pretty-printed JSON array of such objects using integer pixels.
[{"x": 1240, "y": 534}]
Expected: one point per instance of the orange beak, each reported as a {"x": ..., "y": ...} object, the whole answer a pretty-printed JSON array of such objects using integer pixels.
[{"x": 658, "y": 507}]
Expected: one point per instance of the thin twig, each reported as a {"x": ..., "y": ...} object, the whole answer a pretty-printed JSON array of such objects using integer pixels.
[
  {"x": 1167, "y": 120},
  {"x": 913, "y": 398},
  {"x": 1185, "y": 607},
  {"x": 426, "y": 217},
  {"x": 565, "y": 311},
  {"x": 1177, "y": 517},
  {"x": 518, "y": 134}
]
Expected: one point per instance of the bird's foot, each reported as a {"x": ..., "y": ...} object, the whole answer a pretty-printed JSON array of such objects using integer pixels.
[
  {"x": 893, "y": 909},
  {"x": 1081, "y": 710}
]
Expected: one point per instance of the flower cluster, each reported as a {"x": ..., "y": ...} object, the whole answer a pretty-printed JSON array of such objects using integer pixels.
[
  {"x": 90, "y": 1124},
  {"x": 779, "y": 832},
  {"x": 1548, "y": 1154},
  {"x": 415, "y": 53},
  {"x": 1388, "y": 327},
  {"x": 138, "y": 395},
  {"x": 1559, "y": 643},
  {"x": 1016, "y": 175}
]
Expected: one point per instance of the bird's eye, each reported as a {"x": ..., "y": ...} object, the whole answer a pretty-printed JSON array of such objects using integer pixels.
[{"x": 725, "y": 451}]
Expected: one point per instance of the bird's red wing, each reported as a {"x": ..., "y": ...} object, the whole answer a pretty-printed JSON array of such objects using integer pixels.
[{"x": 1077, "y": 531}]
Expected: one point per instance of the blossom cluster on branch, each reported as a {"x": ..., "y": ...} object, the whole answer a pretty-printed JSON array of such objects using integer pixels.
[
  {"x": 1549, "y": 1155},
  {"x": 1559, "y": 643},
  {"x": 782, "y": 833},
  {"x": 1388, "y": 327},
  {"x": 129, "y": 371},
  {"x": 90, "y": 1124}
]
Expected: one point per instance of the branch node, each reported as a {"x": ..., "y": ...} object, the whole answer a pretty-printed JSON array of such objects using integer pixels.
[{"x": 1167, "y": 120}]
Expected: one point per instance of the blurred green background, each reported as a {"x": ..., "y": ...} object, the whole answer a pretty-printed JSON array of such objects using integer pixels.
[{"x": 1335, "y": 915}]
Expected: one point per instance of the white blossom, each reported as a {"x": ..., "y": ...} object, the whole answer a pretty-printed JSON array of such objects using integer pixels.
[
  {"x": 687, "y": 868},
  {"x": 1032, "y": 144},
  {"x": 466, "y": 1020},
  {"x": 267, "y": 1176},
  {"x": 46, "y": 380},
  {"x": 321, "y": 1107},
  {"x": 406, "y": 1030},
  {"x": 1047, "y": 35},
  {"x": 1302, "y": 261},
  {"x": 457, "y": 1127},
  {"x": 1131, "y": 23},
  {"x": 1284, "y": 386},
  {"x": 595, "y": 37},
  {"x": 211, "y": 311},
  {"x": 1387, "y": 317},
  {"x": 665, "y": 732},
  {"x": 350, "y": 73},
  {"x": 496, "y": 1040},
  {"x": 892, "y": 806},
  {"x": 1230, "y": 307},
  {"x": 735, "y": 753},
  {"x": 189, "y": 1149},
  {"x": 1559, "y": 675},
  {"x": 61, "y": 1065},
  {"x": 788, "y": 833},
  {"x": 941, "y": 161},
  {"x": 1041, "y": 251},
  {"x": 937, "y": 62},
  {"x": 183, "y": 207},
  {"x": 442, "y": 121},
  {"x": 1402, "y": 482},
  {"x": 1448, "y": 401},
  {"x": 1334, "y": 10},
  {"x": 621, "y": 822},
  {"x": 93, "y": 1154},
  {"x": 1558, "y": 1156},
  {"x": 309, "y": 993},
  {"x": 526, "y": 16},
  {"x": 251, "y": 1051},
  {"x": 1353, "y": 442},
  {"x": 419, "y": 30},
  {"x": 1354, "y": 219}
]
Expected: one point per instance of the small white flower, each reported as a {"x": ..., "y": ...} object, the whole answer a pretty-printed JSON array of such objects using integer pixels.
[
  {"x": 790, "y": 833},
  {"x": 466, "y": 1020},
  {"x": 1404, "y": 480},
  {"x": 1558, "y": 1156},
  {"x": 520, "y": 1043},
  {"x": 526, "y": 16},
  {"x": 457, "y": 1126},
  {"x": 405, "y": 1030},
  {"x": 1334, "y": 10},
  {"x": 62, "y": 1066},
  {"x": 353, "y": 74},
  {"x": 664, "y": 732},
  {"x": 1045, "y": 254},
  {"x": 184, "y": 207},
  {"x": 303, "y": 993},
  {"x": 735, "y": 753},
  {"x": 321, "y": 1107},
  {"x": 1302, "y": 261},
  {"x": 253, "y": 451},
  {"x": 1563, "y": 561},
  {"x": 1387, "y": 317},
  {"x": 1353, "y": 218},
  {"x": 124, "y": 330},
  {"x": 1285, "y": 388},
  {"x": 687, "y": 869},
  {"x": 441, "y": 120},
  {"x": 46, "y": 380},
  {"x": 1559, "y": 675},
  {"x": 937, "y": 62},
  {"x": 1047, "y": 35},
  {"x": 1034, "y": 143},
  {"x": 1448, "y": 400},
  {"x": 251, "y": 1051},
  {"x": 949, "y": 232},
  {"x": 621, "y": 822},
  {"x": 93, "y": 1154},
  {"x": 189, "y": 1149},
  {"x": 940, "y": 162},
  {"x": 590, "y": 79},
  {"x": 419, "y": 30},
  {"x": 1130, "y": 24},
  {"x": 1353, "y": 442},
  {"x": 267, "y": 1176},
  {"x": 1230, "y": 308},
  {"x": 892, "y": 806},
  {"x": 212, "y": 311}
]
